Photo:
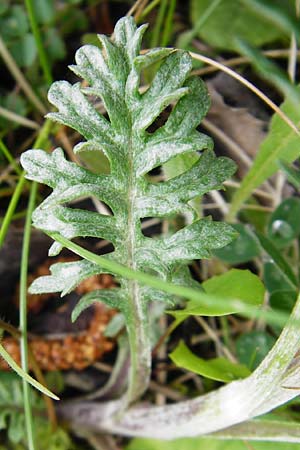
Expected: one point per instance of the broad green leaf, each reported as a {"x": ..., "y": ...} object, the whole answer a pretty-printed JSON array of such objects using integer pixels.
[
  {"x": 284, "y": 223},
  {"x": 233, "y": 18},
  {"x": 252, "y": 347},
  {"x": 243, "y": 249},
  {"x": 237, "y": 283},
  {"x": 281, "y": 143},
  {"x": 219, "y": 369},
  {"x": 240, "y": 285}
]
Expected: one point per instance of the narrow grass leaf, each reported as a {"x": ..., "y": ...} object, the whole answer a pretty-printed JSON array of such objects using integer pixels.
[{"x": 281, "y": 143}]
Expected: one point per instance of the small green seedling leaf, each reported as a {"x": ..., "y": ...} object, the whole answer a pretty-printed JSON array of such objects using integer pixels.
[
  {"x": 240, "y": 285},
  {"x": 219, "y": 369}
]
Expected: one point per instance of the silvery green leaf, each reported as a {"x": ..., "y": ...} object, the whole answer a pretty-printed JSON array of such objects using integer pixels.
[
  {"x": 75, "y": 222},
  {"x": 65, "y": 277},
  {"x": 77, "y": 112},
  {"x": 196, "y": 240},
  {"x": 170, "y": 76},
  {"x": 206, "y": 174},
  {"x": 152, "y": 56},
  {"x": 158, "y": 151},
  {"x": 149, "y": 111},
  {"x": 114, "y": 298},
  {"x": 113, "y": 75}
]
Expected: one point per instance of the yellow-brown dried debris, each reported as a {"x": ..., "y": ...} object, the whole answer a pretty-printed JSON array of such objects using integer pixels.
[{"x": 72, "y": 351}]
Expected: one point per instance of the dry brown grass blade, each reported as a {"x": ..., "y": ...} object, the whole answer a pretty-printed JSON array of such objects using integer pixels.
[
  {"x": 249, "y": 85},
  {"x": 276, "y": 53}
]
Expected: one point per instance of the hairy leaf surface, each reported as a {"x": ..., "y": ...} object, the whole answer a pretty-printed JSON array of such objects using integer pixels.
[{"x": 113, "y": 74}]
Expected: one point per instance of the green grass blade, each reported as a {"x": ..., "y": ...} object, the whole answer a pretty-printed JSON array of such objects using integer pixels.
[
  {"x": 5, "y": 355},
  {"x": 281, "y": 143},
  {"x": 270, "y": 71},
  {"x": 159, "y": 23},
  {"x": 272, "y": 317},
  {"x": 39, "y": 43},
  {"x": 11, "y": 209},
  {"x": 168, "y": 26},
  {"x": 9, "y": 157},
  {"x": 23, "y": 317}
]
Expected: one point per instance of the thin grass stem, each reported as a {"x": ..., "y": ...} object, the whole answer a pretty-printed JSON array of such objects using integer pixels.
[
  {"x": 11, "y": 209},
  {"x": 13, "y": 117},
  {"x": 45, "y": 64},
  {"x": 23, "y": 317},
  {"x": 272, "y": 317},
  {"x": 250, "y": 86},
  {"x": 9, "y": 157},
  {"x": 168, "y": 26},
  {"x": 232, "y": 62},
  {"x": 159, "y": 23},
  {"x": 149, "y": 8}
]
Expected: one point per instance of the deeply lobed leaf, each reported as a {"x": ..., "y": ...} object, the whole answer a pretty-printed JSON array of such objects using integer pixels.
[{"x": 113, "y": 74}]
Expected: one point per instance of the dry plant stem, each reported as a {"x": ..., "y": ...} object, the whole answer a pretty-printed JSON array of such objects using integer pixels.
[
  {"x": 280, "y": 183},
  {"x": 238, "y": 151},
  {"x": 292, "y": 62},
  {"x": 249, "y": 85},
  {"x": 140, "y": 10},
  {"x": 278, "y": 53},
  {"x": 232, "y": 404},
  {"x": 135, "y": 7},
  {"x": 20, "y": 79},
  {"x": 220, "y": 202},
  {"x": 257, "y": 192},
  {"x": 13, "y": 117},
  {"x": 249, "y": 207},
  {"x": 215, "y": 337}
]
